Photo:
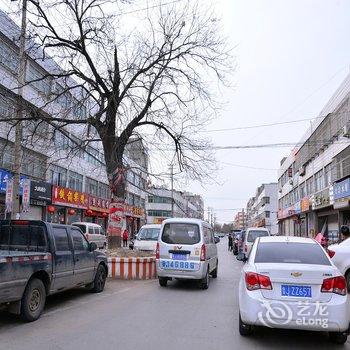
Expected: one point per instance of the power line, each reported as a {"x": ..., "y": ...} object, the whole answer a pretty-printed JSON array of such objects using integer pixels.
[
  {"x": 149, "y": 7},
  {"x": 248, "y": 167}
]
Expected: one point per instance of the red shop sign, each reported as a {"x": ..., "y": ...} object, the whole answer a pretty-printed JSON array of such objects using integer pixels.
[
  {"x": 98, "y": 204},
  {"x": 69, "y": 198}
]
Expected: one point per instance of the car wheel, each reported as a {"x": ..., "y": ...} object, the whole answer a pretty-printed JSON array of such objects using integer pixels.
[
  {"x": 163, "y": 281},
  {"x": 33, "y": 300},
  {"x": 214, "y": 274},
  {"x": 338, "y": 337},
  {"x": 100, "y": 280},
  {"x": 244, "y": 329},
  {"x": 204, "y": 283}
]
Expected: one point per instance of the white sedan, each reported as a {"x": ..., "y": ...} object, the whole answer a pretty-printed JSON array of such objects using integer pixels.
[
  {"x": 340, "y": 256},
  {"x": 290, "y": 282}
]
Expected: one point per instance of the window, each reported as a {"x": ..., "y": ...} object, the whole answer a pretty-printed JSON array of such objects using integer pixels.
[
  {"x": 206, "y": 233},
  {"x": 162, "y": 213},
  {"x": 81, "y": 226},
  {"x": 33, "y": 164},
  {"x": 319, "y": 181},
  {"x": 181, "y": 233},
  {"x": 91, "y": 186},
  {"x": 310, "y": 186},
  {"x": 148, "y": 234},
  {"x": 293, "y": 253},
  {"x": 23, "y": 237},
  {"x": 61, "y": 141},
  {"x": 61, "y": 239},
  {"x": 328, "y": 175},
  {"x": 79, "y": 241},
  {"x": 62, "y": 97},
  {"x": 254, "y": 234},
  {"x": 75, "y": 181},
  {"x": 302, "y": 190},
  {"x": 35, "y": 77},
  {"x": 79, "y": 110},
  {"x": 7, "y": 108},
  {"x": 103, "y": 190},
  {"x": 158, "y": 199},
  {"x": 9, "y": 57},
  {"x": 267, "y": 214},
  {"x": 58, "y": 176}
]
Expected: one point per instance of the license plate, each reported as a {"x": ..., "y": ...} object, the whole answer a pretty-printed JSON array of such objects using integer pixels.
[
  {"x": 179, "y": 256},
  {"x": 178, "y": 265},
  {"x": 296, "y": 291}
]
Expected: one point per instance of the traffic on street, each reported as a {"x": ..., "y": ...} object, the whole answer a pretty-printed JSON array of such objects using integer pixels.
[{"x": 142, "y": 315}]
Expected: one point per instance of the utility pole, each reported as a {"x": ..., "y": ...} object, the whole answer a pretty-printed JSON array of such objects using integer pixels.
[
  {"x": 208, "y": 214},
  {"x": 19, "y": 115},
  {"x": 172, "y": 189}
]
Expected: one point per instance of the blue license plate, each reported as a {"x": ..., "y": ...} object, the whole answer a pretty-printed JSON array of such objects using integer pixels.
[
  {"x": 179, "y": 256},
  {"x": 178, "y": 265},
  {"x": 288, "y": 290}
]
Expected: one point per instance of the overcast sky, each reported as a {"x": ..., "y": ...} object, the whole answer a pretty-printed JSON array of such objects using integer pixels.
[{"x": 292, "y": 55}]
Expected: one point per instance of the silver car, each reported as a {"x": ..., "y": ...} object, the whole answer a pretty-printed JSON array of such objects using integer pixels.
[{"x": 186, "y": 250}]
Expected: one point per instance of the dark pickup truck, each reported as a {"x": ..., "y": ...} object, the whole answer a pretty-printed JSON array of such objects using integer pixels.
[{"x": 38, "y": 259}]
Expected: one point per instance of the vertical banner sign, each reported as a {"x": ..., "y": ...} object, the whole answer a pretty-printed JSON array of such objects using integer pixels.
[
  {"x": 9, "y": 193},
  {"x": 26, "y": 195},
  {"x": 116, "y": 223}
]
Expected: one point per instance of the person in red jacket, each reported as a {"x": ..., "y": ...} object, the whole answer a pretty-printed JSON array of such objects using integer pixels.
[{"x": 125, "y": 238}]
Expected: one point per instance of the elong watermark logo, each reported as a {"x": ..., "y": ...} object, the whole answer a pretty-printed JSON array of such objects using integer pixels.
[{"x": 279, "y": 313}]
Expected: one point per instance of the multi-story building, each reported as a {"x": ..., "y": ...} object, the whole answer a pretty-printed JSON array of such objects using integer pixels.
[
  {"x": 162, "y": 203},
  {"x": 262, "y": 208},
  {"x": 314, "y": 185},
  {"x": 68, "y": 176},
  {"x": 240, "y": 220}
]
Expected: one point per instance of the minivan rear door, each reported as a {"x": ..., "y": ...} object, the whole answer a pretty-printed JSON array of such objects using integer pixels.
[{"x": 180, "y": 246}]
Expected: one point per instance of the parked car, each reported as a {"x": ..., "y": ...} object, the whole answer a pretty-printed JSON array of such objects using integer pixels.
[
  {"x": 216, "y": 238},
  {"x": 93, "y": 233},
  {"x": 221, "y": 234},
  {"x": 283, "y": 284},
  {"x": 340, "y": 256},
  {"x": 251, "y": 234},
  {"x": 38, "y": 259},
  {"x": 147, "y": 237},
  {"x": 186, "y": 250}
]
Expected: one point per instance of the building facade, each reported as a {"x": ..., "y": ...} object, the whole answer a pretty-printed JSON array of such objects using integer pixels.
[
  {"x": 240, "y": 220},
  {"x": 313, "y": 180},
  {"x": 68, "y": 177},
  {"x": 162, "y": 204},
  {"x": 262, "y": 208}
]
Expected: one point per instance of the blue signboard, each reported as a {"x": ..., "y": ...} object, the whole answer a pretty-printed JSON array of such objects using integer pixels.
[
  {"x": 342, "y": 189},
  {"x": 4, "y": 176}
]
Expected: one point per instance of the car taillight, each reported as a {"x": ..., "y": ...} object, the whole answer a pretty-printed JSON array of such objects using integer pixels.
[
  {"x": 157, "y": 251},
  {"x": 331, "y": 253},
  {"x": 335, "y": 285},
  {"x": 254, "y": 281},
  {"x": 203, "y": 253}
]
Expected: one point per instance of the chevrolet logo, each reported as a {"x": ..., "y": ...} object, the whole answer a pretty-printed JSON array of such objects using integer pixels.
[{"x": 296, "y": 274}]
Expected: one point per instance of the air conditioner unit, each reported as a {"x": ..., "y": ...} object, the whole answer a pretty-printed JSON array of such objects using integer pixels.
[
  {"x": 291, "y": 181},
  {"x": 302, "y": 171},
  {"x": 346, "y": 131}
]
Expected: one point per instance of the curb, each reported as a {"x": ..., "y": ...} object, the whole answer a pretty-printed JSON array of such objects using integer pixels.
[{"x": 132, "y": 268}]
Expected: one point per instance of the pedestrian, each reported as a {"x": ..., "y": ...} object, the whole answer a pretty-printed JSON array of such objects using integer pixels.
[
  {"x": 125, "y": 238},
  {"x": 345, "y": 233},
  {"x": 230, "y": 241}
]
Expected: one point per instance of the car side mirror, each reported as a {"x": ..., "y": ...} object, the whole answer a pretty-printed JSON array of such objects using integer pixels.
[{"x": 92, "y": 246}]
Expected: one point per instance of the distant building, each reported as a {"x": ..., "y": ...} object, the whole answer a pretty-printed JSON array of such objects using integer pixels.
[
  {"x": 240, "y": 220},
  {"x": 159, "y": 205},
  {"x": 262, "y": 208}
]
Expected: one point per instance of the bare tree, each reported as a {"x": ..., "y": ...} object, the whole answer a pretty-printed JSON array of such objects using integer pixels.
[{"x": 155, "y": 80}]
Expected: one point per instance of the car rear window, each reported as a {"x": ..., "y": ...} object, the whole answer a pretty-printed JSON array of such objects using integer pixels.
[
  {"x": 294, "y": 253},
  {"x": 178, "y": 233},
  {"x": 24, "y": 237},
  {"x": 253, "y": 235}
]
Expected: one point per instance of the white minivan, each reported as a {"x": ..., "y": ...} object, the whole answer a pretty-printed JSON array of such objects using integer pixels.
[
  {"x": 147, "y": 237},
  {"x": 186, "y": 249},
  {"x": 251, "y": 234},
  {"x": 93, "y": 233}
]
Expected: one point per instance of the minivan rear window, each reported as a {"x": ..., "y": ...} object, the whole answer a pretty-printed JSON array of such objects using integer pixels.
[
  {"x": 253, "y": 235},
  {"x": 181, "y": 233},
  {"x": 293, "y": 253}
]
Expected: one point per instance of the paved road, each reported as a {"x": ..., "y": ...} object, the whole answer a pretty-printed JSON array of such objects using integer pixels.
[{"x": 141, "y": 315}]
